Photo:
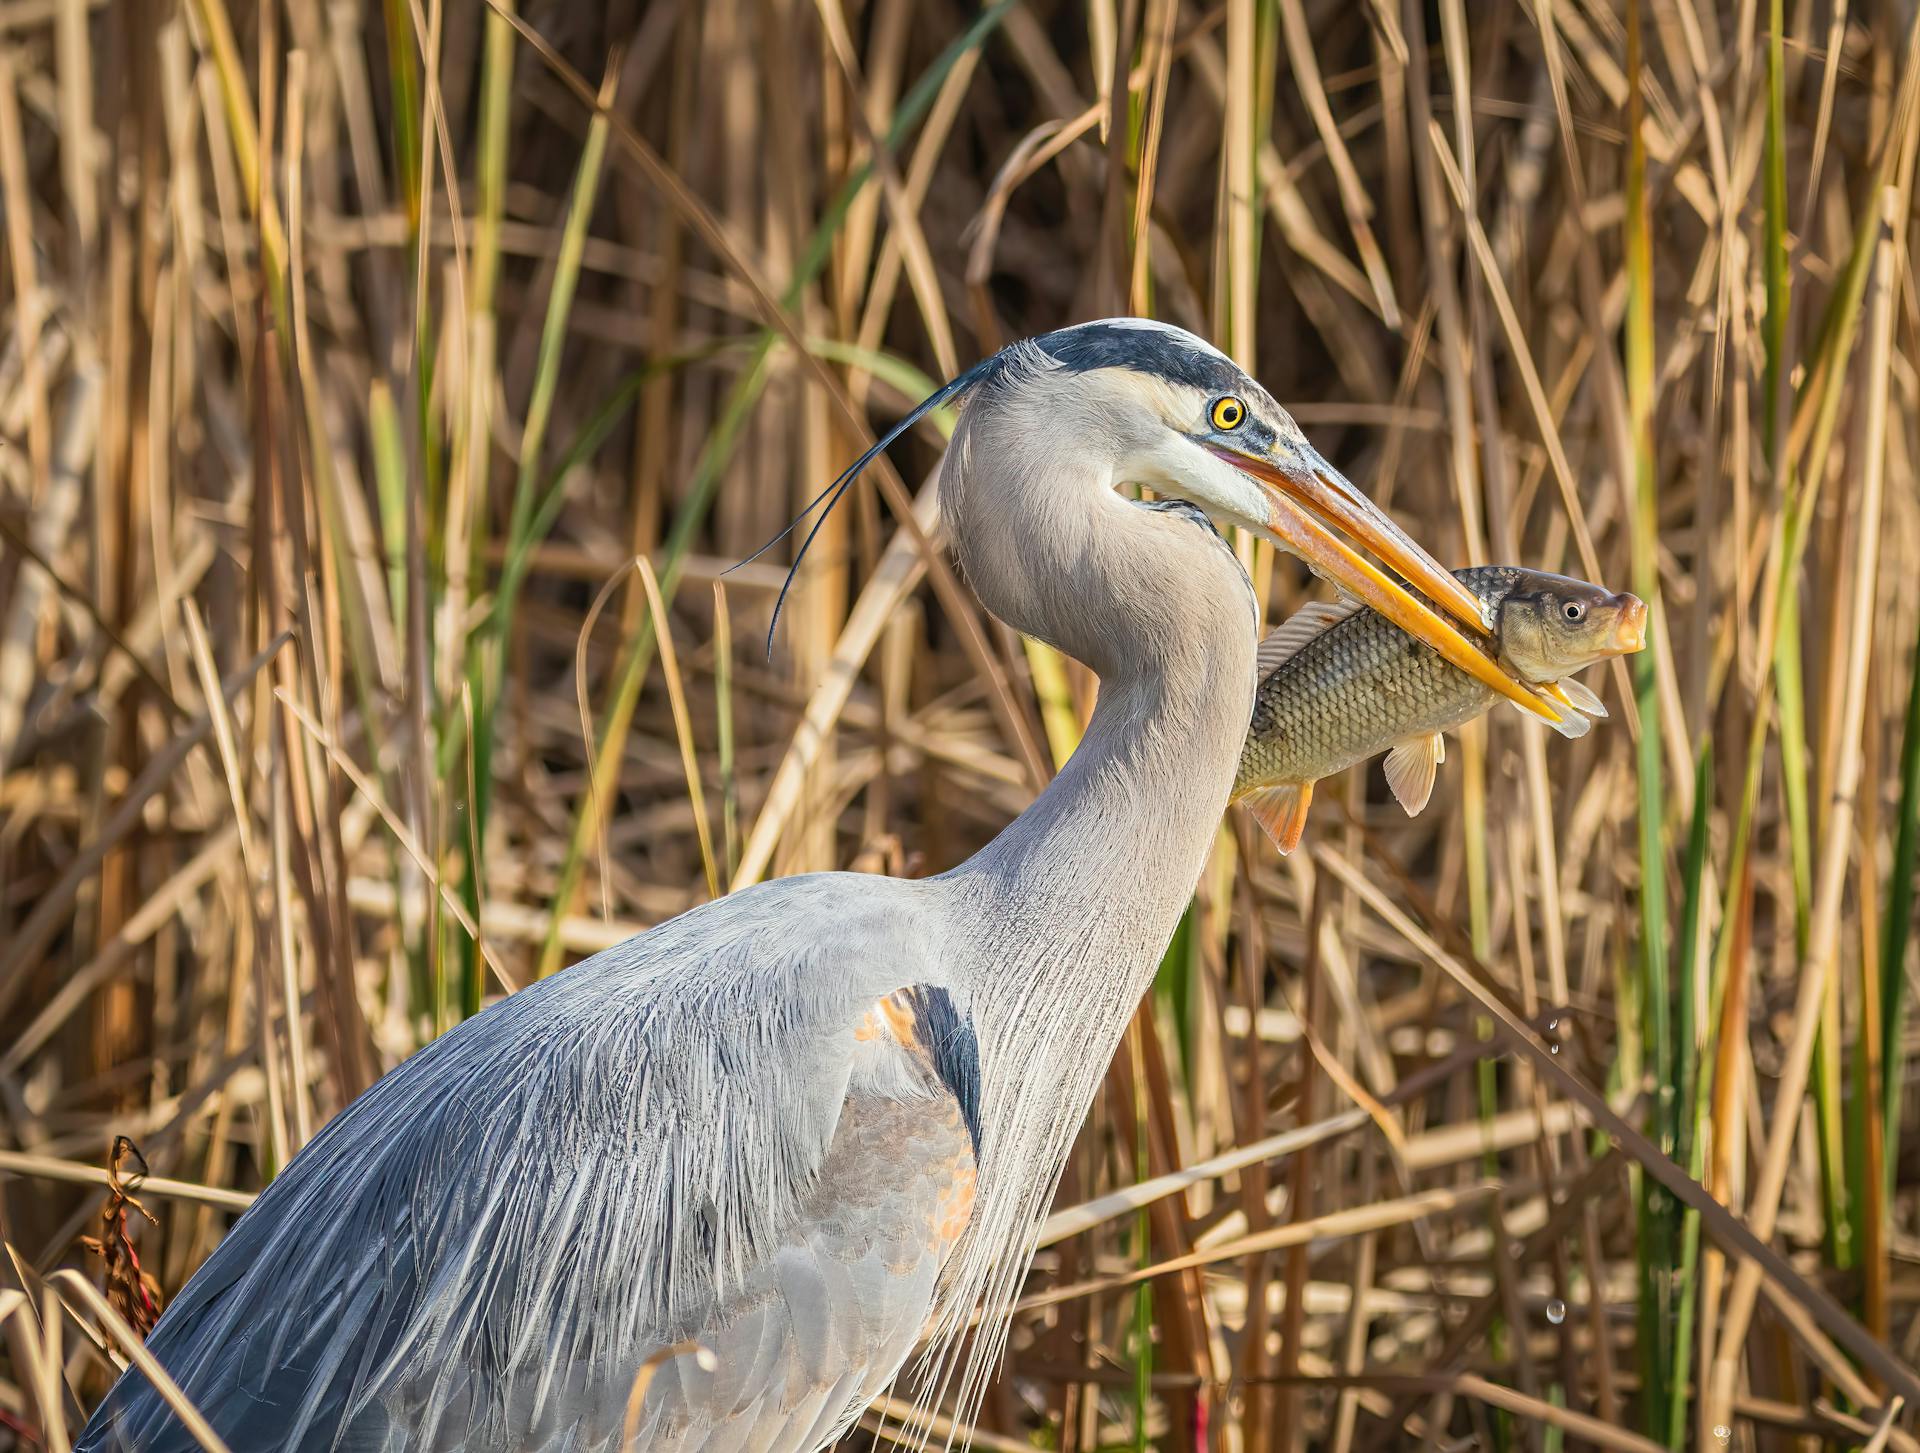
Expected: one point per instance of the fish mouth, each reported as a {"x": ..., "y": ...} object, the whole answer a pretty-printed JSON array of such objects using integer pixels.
[
  {"x": 1308, "y": 500},
  {"x": 1630, "y": 631}
]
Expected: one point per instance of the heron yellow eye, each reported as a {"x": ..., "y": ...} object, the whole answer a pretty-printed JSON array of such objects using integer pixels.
[{"x": 1228, "y": 413}]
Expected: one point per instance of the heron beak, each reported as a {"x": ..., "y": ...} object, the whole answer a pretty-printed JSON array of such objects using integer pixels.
[{"x": 1307, "y": 499}]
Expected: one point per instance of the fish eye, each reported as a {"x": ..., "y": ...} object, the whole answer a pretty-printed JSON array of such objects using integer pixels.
[
  {"x": 1573, "y": 610},
  {"x": 1227, "y": 413}
]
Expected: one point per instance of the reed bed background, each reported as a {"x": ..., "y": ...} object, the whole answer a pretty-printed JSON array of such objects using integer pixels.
[{"x": 387, "y": 389}]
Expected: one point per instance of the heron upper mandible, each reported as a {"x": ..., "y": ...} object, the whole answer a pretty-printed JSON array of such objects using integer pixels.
[{"x": 815, "y": 1122}]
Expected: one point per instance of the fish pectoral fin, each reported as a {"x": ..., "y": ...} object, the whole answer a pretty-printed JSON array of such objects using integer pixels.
[
  {"x": 1410, "y": 768},
  {"x": 1571, "y": 724},
  {"x": 1281, "y": 812},
  {"x": 1581, "y": 698}
]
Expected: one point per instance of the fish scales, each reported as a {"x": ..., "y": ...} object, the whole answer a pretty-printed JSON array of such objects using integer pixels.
[
  {"x": 1358, "y": 688},
  {"x": 1340, "y": 684}
]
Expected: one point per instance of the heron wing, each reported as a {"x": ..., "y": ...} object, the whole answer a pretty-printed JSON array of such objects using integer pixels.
[
  {"x": 479, "y": 1250},
  {"x": 820, "y": 1331}
]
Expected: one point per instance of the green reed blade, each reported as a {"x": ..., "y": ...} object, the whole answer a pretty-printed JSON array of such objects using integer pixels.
[{"x": 1899, "y": 922}]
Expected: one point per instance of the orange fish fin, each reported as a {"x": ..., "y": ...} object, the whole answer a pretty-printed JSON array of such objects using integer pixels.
[
  {"x": 1281, "y": 812},
  {"x": 1285, "y": 640},
  {"x": 1410, "y": 768}
]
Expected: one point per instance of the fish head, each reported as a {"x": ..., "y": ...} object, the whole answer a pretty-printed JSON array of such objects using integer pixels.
[{"x": 1551, "y": 626}]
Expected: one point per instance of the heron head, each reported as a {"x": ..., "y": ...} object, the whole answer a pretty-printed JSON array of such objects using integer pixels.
[{"x": 1182, "y": 419}]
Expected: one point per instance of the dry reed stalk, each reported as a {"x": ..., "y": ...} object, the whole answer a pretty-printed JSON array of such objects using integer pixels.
[
  {"x": 71, "y": 1283},
  {"x": 1822, "y": 947}
]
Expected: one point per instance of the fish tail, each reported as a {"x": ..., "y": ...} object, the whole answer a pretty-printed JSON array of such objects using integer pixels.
[{"x": 1281, "y": 811}]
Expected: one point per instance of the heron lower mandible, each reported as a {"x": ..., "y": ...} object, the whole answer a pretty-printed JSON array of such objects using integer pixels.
[{"x": 802, "y": 1124}]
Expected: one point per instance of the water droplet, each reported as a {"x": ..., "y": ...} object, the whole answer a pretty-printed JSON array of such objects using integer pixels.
[
  {"x": 1556, "y": 1311},
  {"x": 1553, "y": 1026},
  {"x": 1722, "y": 1434},
  {"x": 1553, "y": 1048}
]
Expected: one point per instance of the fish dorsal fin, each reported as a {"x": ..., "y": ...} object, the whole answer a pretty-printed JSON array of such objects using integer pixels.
[
  {"x": 1281, "y": 811},
  {"x": 1285, "y": 640},
  {"x": 1581, "y": 698},
  {"x": 1410, "y": 768}
]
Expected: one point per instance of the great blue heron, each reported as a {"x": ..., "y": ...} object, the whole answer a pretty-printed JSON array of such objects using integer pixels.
[{"x": 816, "y": 1121}]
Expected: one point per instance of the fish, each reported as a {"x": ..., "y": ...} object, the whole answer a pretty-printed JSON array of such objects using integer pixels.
[{"x": 1338, "y": 684}]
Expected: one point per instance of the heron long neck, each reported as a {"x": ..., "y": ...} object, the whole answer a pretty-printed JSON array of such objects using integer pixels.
[
  {"x": 1075, "y": 902},
  {"x": 1079, "y": 896},
  {"x": 1090, "y": 882},
  {"x": 1061, "y": 921}
]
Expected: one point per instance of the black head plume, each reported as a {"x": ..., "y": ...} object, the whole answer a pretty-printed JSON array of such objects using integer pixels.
[{"x": 832, "y": 493}]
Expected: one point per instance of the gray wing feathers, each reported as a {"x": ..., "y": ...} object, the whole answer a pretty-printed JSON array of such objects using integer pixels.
[
  {"x": 590, "y": 1169},
  {"x": 829, "y": 1318}
]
